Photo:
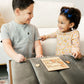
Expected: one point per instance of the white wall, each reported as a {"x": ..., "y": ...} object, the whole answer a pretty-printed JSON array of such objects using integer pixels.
[
  {"x": 6, "y": 10},
  {"x": 45, "y": 13},
  {"x": 78, "y": 3}
]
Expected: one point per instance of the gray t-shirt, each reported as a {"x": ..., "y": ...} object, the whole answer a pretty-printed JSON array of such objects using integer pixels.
[{"x": 22, "y": 37}]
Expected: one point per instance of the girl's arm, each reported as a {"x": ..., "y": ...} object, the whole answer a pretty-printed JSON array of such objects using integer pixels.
[
  {"x": 38, "y": 49},
  {"x": 52, "y": 35},
  {"x": 76, "y": 45}
]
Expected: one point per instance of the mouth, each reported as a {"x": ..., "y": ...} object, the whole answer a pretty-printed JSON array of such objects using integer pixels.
[
  {"x": 28, "y": 20},
  {"x": 61, "y": 28}
]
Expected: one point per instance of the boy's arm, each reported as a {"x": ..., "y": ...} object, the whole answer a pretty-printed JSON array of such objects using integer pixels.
[
  {"x": 38, "y": 49},
  {"x": 11, "y": 52}
]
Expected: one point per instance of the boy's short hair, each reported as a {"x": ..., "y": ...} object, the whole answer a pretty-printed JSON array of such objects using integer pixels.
[
  {"x": 21, "y": 4},
  {"x": 72, "y": 14}
]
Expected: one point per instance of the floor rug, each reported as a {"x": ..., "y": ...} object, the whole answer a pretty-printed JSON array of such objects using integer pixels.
[{"x": 3, "y": 80}]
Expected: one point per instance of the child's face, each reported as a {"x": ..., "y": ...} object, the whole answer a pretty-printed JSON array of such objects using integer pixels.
[
  {"x": 63, "y": 23},
  {"x": 24, "y": 16}
]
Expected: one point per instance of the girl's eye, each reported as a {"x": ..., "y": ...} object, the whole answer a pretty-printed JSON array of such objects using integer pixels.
[{"x": 62, "y": 22}]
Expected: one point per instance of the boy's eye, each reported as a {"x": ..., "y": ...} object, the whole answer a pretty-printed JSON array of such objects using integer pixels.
[{"x": 29, "y": 13}]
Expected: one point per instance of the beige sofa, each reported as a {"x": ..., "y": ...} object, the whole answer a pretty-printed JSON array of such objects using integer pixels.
[{"x": 49, "y": 45}]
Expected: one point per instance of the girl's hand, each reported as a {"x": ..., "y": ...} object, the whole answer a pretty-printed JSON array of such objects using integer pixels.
[
  {"x": 43, "y": 38},
  {"x": 19, "y": 58},
  {"x": 39, "y": 56},
  {"x": 77, "y": 55}
]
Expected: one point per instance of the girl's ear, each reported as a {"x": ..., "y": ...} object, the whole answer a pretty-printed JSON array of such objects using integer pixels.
[
  {"x": 17, "y": 11},
  {"x": 71, "y": 25}
]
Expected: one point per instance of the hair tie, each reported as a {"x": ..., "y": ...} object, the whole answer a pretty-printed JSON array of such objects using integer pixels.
[
  {"x": 66, "y": 10},
  {"x": 69, "y": 15},
  {"x": 63, "y": 10}
]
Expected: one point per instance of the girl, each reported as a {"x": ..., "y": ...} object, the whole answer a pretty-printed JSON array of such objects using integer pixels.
[{"x": 67, "y": 35}]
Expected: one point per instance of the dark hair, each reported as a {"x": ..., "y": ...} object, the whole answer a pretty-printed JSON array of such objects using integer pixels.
[
  {"x": 72, "y": 14},
  {"x": 21, "y": 4}
]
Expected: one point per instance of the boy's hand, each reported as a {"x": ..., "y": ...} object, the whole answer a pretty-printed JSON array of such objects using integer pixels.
[
  {"x": 77, "y": 55},
  {"x": 39, "y": 56},
  {"x": 43, "y": 38},
  {"x": 19, "y": 58}
]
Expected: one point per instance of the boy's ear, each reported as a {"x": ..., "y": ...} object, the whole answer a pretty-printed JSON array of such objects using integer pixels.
[
  {"x": 17, "y": 11},
  {"x": 71, "y": 25}
]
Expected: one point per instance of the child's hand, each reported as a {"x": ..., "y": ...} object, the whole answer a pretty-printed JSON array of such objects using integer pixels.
[
  {"x": 19, "y": 58},
  {"x": 77, "y": 55},
  {"x": 39, "y": 56},
  {"x": 43, "y": 38}
]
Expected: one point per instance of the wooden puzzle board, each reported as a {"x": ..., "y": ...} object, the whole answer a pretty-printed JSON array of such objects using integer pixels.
[{"x": 54, "y": 63}]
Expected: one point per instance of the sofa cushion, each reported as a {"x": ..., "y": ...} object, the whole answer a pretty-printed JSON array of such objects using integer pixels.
[{"x": 49, "y": 47}]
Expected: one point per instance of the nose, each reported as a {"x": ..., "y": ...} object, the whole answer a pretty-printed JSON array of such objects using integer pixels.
[{"x": 59, "y": 25}]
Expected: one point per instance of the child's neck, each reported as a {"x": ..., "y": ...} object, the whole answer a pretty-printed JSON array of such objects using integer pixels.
[
  {"x": 67, "y": 31},
  {"x": 17, "y": 21}
]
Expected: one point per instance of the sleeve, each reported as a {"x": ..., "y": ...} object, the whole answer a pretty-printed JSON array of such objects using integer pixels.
[
  {"x": 36, "y": 34},
  {"x": 75, "y": 41},
  {"x": 4, "y": 32}
]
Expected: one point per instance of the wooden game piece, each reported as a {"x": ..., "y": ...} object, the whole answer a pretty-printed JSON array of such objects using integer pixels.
[
  {"x": 67, "y": 62},
  {"x": 37, "y": 65}
]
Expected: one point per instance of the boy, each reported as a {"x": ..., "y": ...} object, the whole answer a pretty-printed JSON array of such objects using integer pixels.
[{"x": 19, "y": 37}]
